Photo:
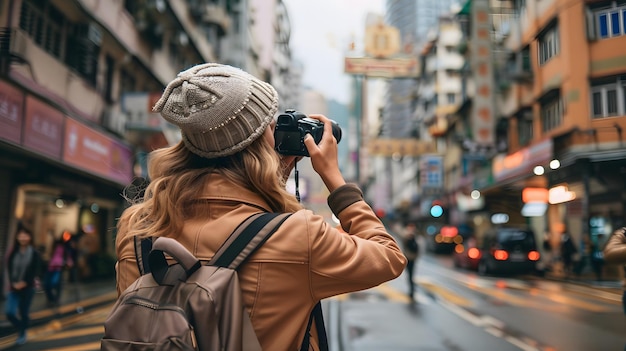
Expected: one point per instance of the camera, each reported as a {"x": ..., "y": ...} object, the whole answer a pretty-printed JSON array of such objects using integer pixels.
[{"x": 291, "y": 128}]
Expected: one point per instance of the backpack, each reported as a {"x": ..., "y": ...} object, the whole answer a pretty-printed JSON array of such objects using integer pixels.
[{"x": 163, "y": 309}]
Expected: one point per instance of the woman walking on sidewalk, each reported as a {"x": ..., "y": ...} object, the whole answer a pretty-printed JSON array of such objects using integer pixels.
[{"x": 23, "y": 268}]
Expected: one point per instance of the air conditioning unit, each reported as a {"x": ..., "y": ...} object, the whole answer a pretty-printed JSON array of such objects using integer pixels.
[{"x": 18, "y": 44}]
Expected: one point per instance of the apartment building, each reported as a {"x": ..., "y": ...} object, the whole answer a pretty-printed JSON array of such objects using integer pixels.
[
  {"x": 77, "y": 81},
  {"x": 561, "y": 105}
]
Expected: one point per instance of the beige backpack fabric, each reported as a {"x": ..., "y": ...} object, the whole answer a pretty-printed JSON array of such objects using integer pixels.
[{"x": 189, "y": 305}]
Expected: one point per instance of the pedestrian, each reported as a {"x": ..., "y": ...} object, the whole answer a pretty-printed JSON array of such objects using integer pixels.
[
  {"x": 615, "y": 252},
  {"x": 597, "y": 256},
  {"x": 24, "y": 263},
  {"x": 225, "y": 169},
  {"x": 60, "y": 259},
  {"x": 568, "y": 249},
  {"x": 411, "y": 250}
]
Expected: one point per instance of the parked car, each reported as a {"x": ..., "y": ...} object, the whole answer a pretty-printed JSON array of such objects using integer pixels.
[
  {"x": 508, "y": 250},
  {"x": 467, "y": 254}
]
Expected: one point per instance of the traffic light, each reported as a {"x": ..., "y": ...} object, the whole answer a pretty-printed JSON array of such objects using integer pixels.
[{"x": 436, "y": 210}]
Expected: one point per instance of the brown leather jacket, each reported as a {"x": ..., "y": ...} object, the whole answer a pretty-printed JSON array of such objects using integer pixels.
[
  {"x": 305, "y": 261},
  {"x": 615, "y": 249}
]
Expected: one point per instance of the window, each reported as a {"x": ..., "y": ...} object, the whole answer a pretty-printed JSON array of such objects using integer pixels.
[
  {"x": 608, "y": 97},
  {"x": 551, "y": 114},
  {"x": 548, "y": 45},
  {"x": 451, "y": 97},
  {"x": 45, "y": 25},
  {"x": 611, "y": 21},
  {"x": 525, "y": 127}
]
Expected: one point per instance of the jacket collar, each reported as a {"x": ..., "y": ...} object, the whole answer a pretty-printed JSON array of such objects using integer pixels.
[{"x": 219, "y": 188}]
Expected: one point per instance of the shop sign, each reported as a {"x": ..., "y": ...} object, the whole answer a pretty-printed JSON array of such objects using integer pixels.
[
  {"x": 535, "y": 195},
  {"x": 403, "y": 147},
  {"x": 400, "y": 67},
  {"x": 431, "y": 171},
  {"x": 11, "y": 101},
  {"x": 44, "y": 128},
  {"x": 560, "y": 194},
  {"x": 95, "y": 152},
  {"x": 521, "y": 162}
]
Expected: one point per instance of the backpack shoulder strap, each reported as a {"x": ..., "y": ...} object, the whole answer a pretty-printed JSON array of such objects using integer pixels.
[
  {"x": 246, "y": 238},
  {"x": 143, "y": 246}
]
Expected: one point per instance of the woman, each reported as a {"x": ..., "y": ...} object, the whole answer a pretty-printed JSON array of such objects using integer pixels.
[
  {"x": 225, "y": 170},
  {"x": 60, "y": 258},
  {"x": 23, "y": 268}
]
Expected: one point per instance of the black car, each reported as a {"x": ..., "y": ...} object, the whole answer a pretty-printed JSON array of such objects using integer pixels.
[{"x": 508, "y": 250}]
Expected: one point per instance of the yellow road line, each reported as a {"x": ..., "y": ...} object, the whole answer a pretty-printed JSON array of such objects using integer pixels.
[
  {"x": 392, "y": 294},
  {"x": 76, "y": 332},
  {"x": 533, "y": 302},
  {"x": 445, "y": 294},
  {"x": 92, "y": 346}
]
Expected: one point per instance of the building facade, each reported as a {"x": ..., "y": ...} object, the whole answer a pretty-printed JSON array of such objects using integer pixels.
[{"x": 77, "y": 82}]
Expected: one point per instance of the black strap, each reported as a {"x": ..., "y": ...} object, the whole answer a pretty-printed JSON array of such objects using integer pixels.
[
  {"x": 316, "y": 315},
  {"x": 143, "y": 247},
  {"x": 240, "y": 244}
]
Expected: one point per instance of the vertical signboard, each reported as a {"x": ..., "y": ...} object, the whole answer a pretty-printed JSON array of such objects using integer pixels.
[
  {"x": 431, "y": 172},
  {"x": 11, "y": 101},
  {"x": 43, "y": 130},
  {"x": 483, "y": 112}
]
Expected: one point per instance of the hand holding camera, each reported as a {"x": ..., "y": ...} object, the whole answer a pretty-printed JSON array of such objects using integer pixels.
[
  {"x": 315, "y": 136},
  {"x": 291, "y": 128}
]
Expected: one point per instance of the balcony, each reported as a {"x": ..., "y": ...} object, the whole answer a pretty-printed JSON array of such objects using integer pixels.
[
  {"x": 518, "y": 67},
  {"x": 211, "y": 14}
]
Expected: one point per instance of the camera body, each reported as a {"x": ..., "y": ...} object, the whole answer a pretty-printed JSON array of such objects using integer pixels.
[{"x": 291, "y": 128}]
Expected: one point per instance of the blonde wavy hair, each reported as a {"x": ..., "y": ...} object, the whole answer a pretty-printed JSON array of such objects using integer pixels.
[{"x": 177, "y": 176}]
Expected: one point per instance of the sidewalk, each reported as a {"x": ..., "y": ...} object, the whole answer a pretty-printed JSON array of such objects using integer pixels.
[{"x": 75, "y": 299}]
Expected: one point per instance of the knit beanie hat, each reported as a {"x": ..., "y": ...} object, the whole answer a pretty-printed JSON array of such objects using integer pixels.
[{"x": 219, "y": 109}]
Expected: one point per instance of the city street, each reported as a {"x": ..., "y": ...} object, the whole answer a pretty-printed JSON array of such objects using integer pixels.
[{"x": 455, "y": 310}]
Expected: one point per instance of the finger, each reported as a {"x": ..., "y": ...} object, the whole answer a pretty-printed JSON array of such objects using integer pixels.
[{"x": 310, "y": 144}]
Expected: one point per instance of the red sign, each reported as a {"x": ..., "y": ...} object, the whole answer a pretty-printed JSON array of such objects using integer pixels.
[
  {"x": 93, "y": 151},
  {"x": 44, "y": 128},
  {"x": 11, "y": 101}
]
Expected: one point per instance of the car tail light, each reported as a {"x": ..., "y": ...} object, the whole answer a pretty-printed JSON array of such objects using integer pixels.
[
  {"x": 500, "y": 255},
  {"x": 473, "y": 253},
  {"x": 534, "y": 256},
  {"x": 459, "y": 248}
]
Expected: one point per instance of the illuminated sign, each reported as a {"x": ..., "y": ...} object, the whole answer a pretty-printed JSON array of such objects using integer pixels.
[
  {"x": 499, "y": 218},
  {"x": 539, "y": 195},
  {"x": 534, "y": 209},
  {"x": 560, "y": 194},
  {"x": 521, "y": 162}
]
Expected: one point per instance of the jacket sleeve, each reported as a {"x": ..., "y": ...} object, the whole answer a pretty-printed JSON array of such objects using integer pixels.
[
  {"x": 363, "y": 256},
  {"x": 615, "y": 249}
]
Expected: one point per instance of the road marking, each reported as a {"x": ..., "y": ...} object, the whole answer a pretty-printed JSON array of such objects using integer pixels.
[
  {"x": 75, "y": 332},
  {"x": 444, "y": 293},
  {"x": 519, "y": 343},
  {"x": 489, "y": 324},
  {"x": 92, "y": 346}
]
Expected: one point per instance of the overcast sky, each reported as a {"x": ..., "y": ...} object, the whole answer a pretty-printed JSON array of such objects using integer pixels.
[{"x": 321, "y": 31}]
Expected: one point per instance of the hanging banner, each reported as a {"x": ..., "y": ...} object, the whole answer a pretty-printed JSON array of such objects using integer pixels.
[{"x": 483, "y": 113}]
